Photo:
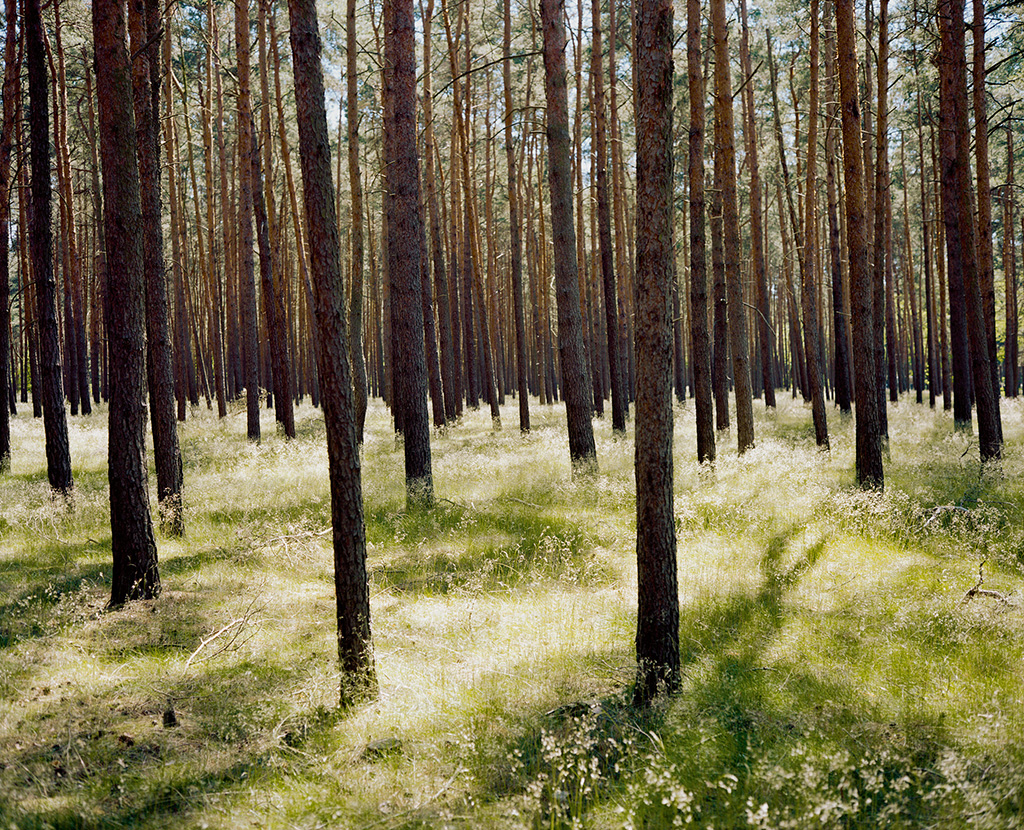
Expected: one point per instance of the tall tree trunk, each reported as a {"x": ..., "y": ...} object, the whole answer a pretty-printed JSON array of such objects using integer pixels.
[
  {"x": 724, "y": 139},
  {"x": 144, "y": 26},
  {"x": 701, "y": 344},
  {"x": 55, "y": 425},
  {"x": 809, "y": 290},
  {"x": 620, "y": 403},
  {"x": 404, "y": 220},
  {"x": 843, "y": 380},
  {"x": 273, "y": 304},
  {"x": 75, "y": 353},
  {"x": 986, "y": 256},
  {"x": 355, "y": 648},
  {"x": 657, "y": 635},
  {"x": 720, "y": 369},
  {"x": 442, "y": 292},
  {"x": 429, "y": 329},
  {"x": 247, "y": 276},
  {"x": 882, "y": 257},
  {"x": 934, "y": 371},
  {"x": 756, "y": 221},
  {"x": 1010, "y": 273},
  {"x": 216, "y": 263},
  {"x": 98, "y": 281},
  {"x": 868, "y": 435},
  {"x": 12, "y": 84},
  {"x": 515, "y": 233},
  {"x": 911, "y": 290},
  {"x": 135, "y": 574},
  {"x": 355, "y": 311},
  {"x": 961, "y": 240},
  {"x": 575, "y": 384}
]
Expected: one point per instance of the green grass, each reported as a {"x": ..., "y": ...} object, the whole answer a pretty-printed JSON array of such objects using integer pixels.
[{"x": 832, "y": 674}]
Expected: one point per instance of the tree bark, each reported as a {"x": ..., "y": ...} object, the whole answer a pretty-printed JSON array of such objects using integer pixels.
[
  {"x": 961, "y": 239},
  {"x": 51, "y": 383},
  {"x": 843, "y": 380},
  {"x": 515, "y": 232},
  {"x": 986, "y": 256},
  {"x": 575, "y": 384},
  {"x": 724, "y": 138},
  {"x": 809, "y": 292},
  {"x": 620, "y": 403},
  {"x": 273, "y": 304},
  {"x": 135, "y": 574},
  {"x": 1010, "y": 274},
  {"x": 885, "y": 327},
  {"x": 355, "y": 648},
  {"x": 145, "y": 26},
  {"x": 756, "y": 220},
  {"x": 247, "y": 277},
  {"x": 657, "y": 636},
  {"x": 12, "y": 84},
  {"x": 701, "y": 344},
  {"x": 870, "y": 473},
  {"x": 404, "y": 220},
  {"x": 355, "y": 311}
]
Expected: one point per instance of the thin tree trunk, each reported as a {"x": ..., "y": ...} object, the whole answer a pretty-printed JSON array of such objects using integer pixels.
[
  {"x": 273, "y": 305},
  {"x": 75, "y": 352},
  {"x": 215, "y": 262},
  {"x": 355, "y": 648},
  {"x": 934, "y": 371},
  {"x": 516, "y": 264},
  {"x": 12, "y": 84},
  {"x": 843, "y": 380},
  {"x": 986, "y": 256},
  {"x": 756, "y": 220},
  {"x": 1010, "y": 274},
  {"x": 247, "y": 276},
  {"x": 884, "y": 319},
  {"x": 355, "y": 311},
  {"x": 725, "y": 143},
  {"x": 720, "y": 378},
  {"x": 701, "y": 344},
  {"x": 809, "y": 292},
  {"x": 620, "y": 403}
]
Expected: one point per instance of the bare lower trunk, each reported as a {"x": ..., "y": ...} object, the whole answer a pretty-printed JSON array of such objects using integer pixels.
[{"x": 657, "y": 635}]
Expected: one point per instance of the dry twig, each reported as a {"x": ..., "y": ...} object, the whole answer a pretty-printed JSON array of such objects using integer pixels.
[{"x": 978, "y": 591}]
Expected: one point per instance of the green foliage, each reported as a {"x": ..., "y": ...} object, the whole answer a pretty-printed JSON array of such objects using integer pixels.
[{"x": 833, "y": 673}]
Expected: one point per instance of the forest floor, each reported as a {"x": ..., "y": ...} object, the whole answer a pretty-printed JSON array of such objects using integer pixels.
[{"x": 836, "y": 673}]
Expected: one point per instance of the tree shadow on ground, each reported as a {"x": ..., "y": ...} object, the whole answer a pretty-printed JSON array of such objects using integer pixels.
[{"x": 748, "y": 728}]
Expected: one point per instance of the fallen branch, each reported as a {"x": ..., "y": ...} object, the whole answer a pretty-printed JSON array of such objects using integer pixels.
[
  {"x": 943, "y": 507},
  {"x": 236, "y": 625},
  {"x": 978, "y": 591}
]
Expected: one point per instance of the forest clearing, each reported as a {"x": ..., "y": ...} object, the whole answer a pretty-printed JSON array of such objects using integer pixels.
[{"x": 834, "y": 672}]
